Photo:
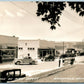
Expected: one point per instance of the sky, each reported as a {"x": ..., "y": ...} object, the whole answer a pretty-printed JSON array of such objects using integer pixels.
[{"x": 19, "y": 18}]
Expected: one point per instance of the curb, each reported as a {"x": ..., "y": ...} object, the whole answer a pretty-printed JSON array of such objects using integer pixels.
[{"x": 44, "y": 74}]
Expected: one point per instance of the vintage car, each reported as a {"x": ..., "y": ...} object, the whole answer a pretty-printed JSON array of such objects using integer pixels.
[
  {"x": 10, "y": 74},
  {"x": 26, "y": 60},
  {"x": 67, "y": 59},
  {"x": 49, "y": 58},
  {"x": 69, "y": 56}
]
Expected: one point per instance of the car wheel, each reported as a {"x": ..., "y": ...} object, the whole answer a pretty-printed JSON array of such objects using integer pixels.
[
  {"x": 30, "y": 63},
  {"x": 33, "y": 62},
  {"x": 17, "y": 63}
]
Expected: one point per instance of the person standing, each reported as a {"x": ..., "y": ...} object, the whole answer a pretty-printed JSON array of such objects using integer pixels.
[
  {"x": 0, "y": 57},
  {"x": 60, "y": 62}
]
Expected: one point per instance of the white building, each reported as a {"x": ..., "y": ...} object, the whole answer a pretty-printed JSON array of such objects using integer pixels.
[
  {"x": 35, "y": 48},
  {"x": 28, "y": 47}
]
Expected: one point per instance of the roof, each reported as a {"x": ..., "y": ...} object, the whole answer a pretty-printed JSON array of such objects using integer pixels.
[
  {"x": 46, "y": 44},
  {"x": 11, "y": 40}
]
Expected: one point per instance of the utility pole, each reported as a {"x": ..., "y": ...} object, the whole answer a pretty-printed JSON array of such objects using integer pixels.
[
  {"x": 63, "y": 47},
  {"x": 82, "y": 45}
]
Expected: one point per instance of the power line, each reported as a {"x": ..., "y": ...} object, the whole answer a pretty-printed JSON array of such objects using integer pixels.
[
  {"x": 24, "y": 10},
  {"x": 71, "y": 17},
  {"x": 66, "y": 14}
]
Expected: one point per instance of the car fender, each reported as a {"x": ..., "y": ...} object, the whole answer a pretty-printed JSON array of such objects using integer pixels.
[{"x": 19, "y": 60}]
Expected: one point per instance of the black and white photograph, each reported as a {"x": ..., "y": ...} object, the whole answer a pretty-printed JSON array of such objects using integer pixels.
[{"x": 41, "y": 42}]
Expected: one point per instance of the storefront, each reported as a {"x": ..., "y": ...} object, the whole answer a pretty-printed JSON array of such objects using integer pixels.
[
  {"x": 8, "y": 48},
  {"x": 43, "y": 52},
  {"x": 7, "y": 54}
]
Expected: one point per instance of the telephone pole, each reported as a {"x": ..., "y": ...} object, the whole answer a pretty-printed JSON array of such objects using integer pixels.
[{"x": 63, "y": 47}]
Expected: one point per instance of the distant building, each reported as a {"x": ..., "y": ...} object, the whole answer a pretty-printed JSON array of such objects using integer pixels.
[
  {"x": 65, "y": 45},
  {"x": 8, "y": 47}
]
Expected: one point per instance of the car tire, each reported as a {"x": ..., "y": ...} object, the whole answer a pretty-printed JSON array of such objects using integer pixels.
[
  {"x": 17, "y": 63},
  {"x": 30, "y": 63},
  {"x": 33, "y": 62}
]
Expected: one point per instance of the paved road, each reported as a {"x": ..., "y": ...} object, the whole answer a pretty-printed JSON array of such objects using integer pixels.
[
  {"x": 32, "y": 69},
  {"x": 75, "y": 74}
]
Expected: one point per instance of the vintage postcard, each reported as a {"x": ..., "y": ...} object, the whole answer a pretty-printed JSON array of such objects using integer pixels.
[{"x": 41, "y": 41}]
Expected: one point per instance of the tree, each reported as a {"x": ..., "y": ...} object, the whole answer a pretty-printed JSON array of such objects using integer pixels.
[{"x": 51, "y": 11}]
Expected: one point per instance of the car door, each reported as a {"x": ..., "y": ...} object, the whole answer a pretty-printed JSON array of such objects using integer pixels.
[
  {"x": 29, "y": 60},
  {"x": 24, "y": 60}
]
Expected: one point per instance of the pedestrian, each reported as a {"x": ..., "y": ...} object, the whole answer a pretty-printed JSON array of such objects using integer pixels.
[
  {"x": 0, "y": 59},
  {"x": 59, "y": 61},
  {"x": 72, "y": 61}
]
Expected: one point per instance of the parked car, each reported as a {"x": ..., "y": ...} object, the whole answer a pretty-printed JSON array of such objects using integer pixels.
[
  {"x": 71, "y": 52},
  {"x": 26, "y": 60},
  {"x": 81, "y": 54},
  {"x": 67, "y": 59},
  {"x": 69, "y": 56},
  {"x": 49, "y": 58},
  {"x": 10, "y": 74}
]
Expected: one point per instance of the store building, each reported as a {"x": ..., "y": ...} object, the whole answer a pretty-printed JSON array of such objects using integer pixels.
[
  {"x": 8, "y": 48},
  {"x": 35, "y": 48},
  {"x": 39, "y": 48}
]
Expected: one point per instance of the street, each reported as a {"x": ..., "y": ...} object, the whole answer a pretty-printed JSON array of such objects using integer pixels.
[
  {"x": 30, "y": 70},
  {"x": 74, "y": 74}
]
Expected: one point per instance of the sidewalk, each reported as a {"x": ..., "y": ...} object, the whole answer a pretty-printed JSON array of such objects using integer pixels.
[{"x": 43, "y": 74}]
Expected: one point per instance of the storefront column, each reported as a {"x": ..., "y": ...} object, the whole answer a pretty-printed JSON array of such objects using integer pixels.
[{"x": 16, "y": 52}]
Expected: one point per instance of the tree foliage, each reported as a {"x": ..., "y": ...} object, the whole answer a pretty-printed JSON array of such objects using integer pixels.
[
  {"x": 78, "y": 7},
  {"x": 51, "y": 11}
]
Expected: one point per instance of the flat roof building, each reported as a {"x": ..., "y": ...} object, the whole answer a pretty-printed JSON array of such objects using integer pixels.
[
  {"x": 39, "y": 48},
  {"x": 8, "y": 47},
  {"x": 35, "y": 48}
]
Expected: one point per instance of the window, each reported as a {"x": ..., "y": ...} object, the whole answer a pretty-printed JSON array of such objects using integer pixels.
[
  {"x": 31, "y": 48},
  {"x": 28, "y": 48},
  {"x": 20, "y": 48},
  {"x": 11, "y": 47},
  {"x": 28, "y": 54}
]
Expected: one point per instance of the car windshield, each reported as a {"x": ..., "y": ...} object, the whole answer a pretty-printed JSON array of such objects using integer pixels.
[{"x": 64, "y": 56}]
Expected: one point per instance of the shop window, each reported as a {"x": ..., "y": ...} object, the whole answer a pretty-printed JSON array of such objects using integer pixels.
[
  {"x": 7, "y": 54},
  {"x": 11, "y": 47}
]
